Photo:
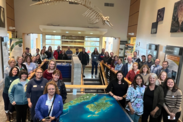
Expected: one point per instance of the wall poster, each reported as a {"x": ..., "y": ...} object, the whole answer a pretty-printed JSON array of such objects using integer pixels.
[
  {"x": 174, "y": 62},
  {"x": 16, "y": 48}
]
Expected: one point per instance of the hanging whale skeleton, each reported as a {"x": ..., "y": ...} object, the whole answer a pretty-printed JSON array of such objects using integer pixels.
[{"x": 93, "y": 13}]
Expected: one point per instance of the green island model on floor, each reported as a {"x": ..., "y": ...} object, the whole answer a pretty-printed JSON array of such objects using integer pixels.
[{"x": 93, "y": 108}]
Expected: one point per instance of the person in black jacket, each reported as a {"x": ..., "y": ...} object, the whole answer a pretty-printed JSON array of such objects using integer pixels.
[
  {"x": 106, "y": 58},
  {"x": 111, "y": 58},
  {"x": 20, "y": 64},
  {"x": 62, "y": 56},
  {"x": 118, "y": 88},
  {"x": 60, "y": 84},
  {"x": 127, "y": 67},
  {"x": 84, "y": 58}
]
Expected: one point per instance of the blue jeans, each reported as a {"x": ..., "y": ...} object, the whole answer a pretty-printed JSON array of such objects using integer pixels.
[
  {"x": 134, "y": 117},
  {"x": 94, "y": 65}
]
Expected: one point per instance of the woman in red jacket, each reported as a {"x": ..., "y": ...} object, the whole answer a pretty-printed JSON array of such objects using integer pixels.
[
  {"x": 52, "y": 66},
  {"x": 131, "y": 74}
]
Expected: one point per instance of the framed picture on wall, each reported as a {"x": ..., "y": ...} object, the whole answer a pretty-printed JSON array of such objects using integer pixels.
[
  {"x": 160, "y": 14},
  {"x": 177, "y": 18},
  {"x": 2, "y": 17},
  {"x": 154, "y": 28}
]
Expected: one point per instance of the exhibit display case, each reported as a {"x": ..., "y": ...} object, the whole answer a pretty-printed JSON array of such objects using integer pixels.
[{"x": 174, "y": 56}]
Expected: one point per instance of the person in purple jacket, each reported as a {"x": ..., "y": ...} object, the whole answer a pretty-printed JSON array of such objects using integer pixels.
[{"x": 50, "y": 105}]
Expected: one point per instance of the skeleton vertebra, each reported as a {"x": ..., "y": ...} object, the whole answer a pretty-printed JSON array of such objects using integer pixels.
[{"x": 93, "y": 13}]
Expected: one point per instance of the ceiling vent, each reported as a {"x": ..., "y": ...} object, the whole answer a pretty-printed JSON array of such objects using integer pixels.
[
  {"x": 73, "y": 3},
  {"x": 109, "y": 4}
]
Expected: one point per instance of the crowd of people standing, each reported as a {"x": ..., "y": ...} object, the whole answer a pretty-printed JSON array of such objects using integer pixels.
[{"x": 153, "y": 92}]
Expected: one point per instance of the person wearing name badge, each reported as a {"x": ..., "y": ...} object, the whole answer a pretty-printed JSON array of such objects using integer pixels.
[
  {"x": 60, "y": 84},
  {"x": 94, "y": 59},
  {"x": 29, "y": 64},
  {"x": 118, "y": 88},
  {"x": 172, "y": 102},
  {"x": 7, "y": 104},
  {"x": 49, "y": 106},
  {"x": 35, "y": 89},
  {"x": 17, "y": 96},
  {"x": 20, "y": 64}
]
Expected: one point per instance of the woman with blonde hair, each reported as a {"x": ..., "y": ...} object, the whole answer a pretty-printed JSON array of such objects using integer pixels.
[
  {"x": 131, "y": 74},
  {"x": 52, "y": 66},
  {"x": 49, "y": 106},
  {"x": 145, "y": 72},
  {"x": 12, "y": 64},
  {"x": 20, "y": 64},
  {"x": 153, "y": 100}
]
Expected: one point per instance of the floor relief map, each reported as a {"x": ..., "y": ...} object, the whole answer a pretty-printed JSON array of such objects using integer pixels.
[{"x": 93, "y": 108}]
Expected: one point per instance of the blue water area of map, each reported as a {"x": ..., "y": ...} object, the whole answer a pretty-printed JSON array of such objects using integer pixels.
[{"x": 80, "y": 113}]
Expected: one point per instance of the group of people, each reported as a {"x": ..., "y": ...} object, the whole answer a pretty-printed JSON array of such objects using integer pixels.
[
  {"x": 36, "y": 95},
  {"x": 153, "y": 92}
]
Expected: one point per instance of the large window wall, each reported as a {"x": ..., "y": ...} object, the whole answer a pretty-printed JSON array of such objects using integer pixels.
[
  {"x": 53, "y": 40},
  {"x": 90, "y": 43}
]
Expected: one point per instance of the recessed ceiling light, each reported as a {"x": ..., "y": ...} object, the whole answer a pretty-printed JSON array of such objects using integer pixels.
[
  {"x": 79, "y": 32},
  {"x": 67, "y": 32},
  {"x": 54, "y": 31},
  {"x": 91, "y": 33}
]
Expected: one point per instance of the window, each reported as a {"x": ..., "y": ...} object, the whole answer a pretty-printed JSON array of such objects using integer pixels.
[
  {"x": 91, "y": 43},
  {"x": 53, "y": 40}
]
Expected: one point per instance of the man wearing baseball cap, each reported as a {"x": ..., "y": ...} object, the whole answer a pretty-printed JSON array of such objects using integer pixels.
[{"x": 27, "y": 52}]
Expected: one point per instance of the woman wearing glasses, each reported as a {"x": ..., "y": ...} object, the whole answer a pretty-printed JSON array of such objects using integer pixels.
[
  {"x": 35, "y": 89},
  {"x": 49, "y": 106}
]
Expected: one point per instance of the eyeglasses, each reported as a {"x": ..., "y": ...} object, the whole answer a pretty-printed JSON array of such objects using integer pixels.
[
  {"x": 39, "y": 72},
  {"x": 51, "y": 89}
]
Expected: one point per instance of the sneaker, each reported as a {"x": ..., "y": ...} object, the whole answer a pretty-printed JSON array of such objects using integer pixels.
[
  {"x": 92, "y": 76},
  {"x": 96, "y": 76}
]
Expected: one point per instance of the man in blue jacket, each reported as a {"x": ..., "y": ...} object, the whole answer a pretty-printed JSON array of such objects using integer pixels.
[{"x": 127, "y": 67}]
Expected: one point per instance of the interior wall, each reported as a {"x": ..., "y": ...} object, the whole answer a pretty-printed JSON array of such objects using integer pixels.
[
  {"x": 28, "y": 19},
  {"x": 3, "y": 32},
  {"x": 147, "y": 15}
]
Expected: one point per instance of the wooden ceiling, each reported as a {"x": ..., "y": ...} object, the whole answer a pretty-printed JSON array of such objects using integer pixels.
[
  {"x": 10, "y": 14},
  {"x": 133, "y": 18}
]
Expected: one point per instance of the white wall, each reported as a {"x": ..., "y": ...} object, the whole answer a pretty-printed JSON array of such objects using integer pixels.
[
  {"x": 3, "y": 32},
  {"x": 147, "y": 15},
  {"x": 28, "y": 19}
]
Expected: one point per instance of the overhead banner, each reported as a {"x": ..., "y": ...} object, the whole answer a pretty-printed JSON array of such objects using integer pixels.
[{"x": 16, "y": 48}]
